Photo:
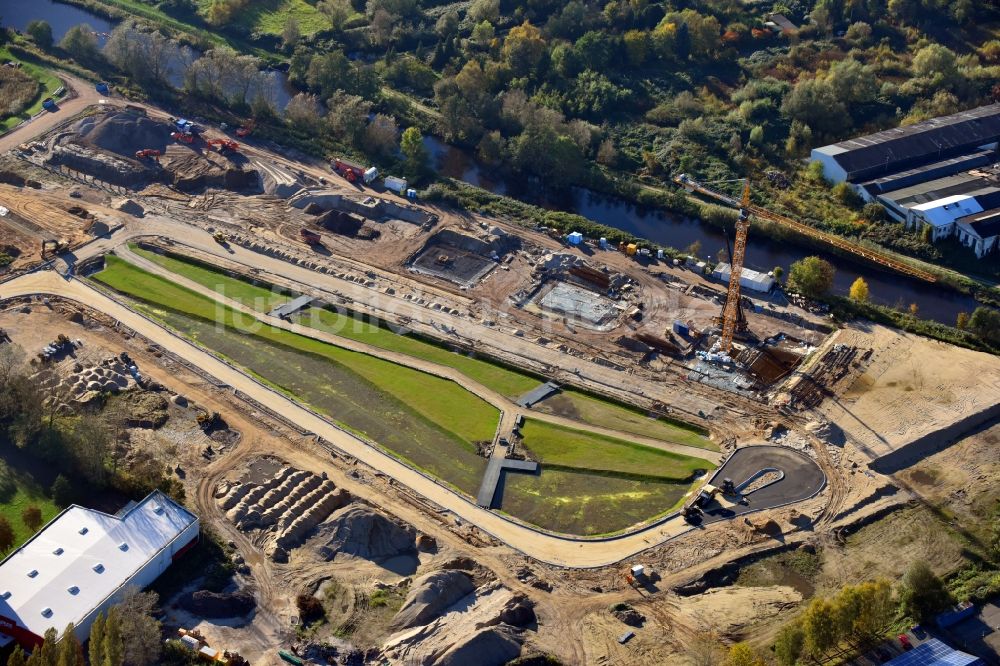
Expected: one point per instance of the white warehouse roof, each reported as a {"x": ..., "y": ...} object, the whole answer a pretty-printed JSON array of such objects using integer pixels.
[
  {"x": 943, "y": 212},
  {"x": 82, "y": 557},
  {"x": 749, "y": 279}
]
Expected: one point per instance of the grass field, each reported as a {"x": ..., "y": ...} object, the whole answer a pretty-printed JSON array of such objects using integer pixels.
[
  {"x": 587, "y": 504},
  {"x": 269, "y": 16},
  {"x": 17, "y": 492},
  {"x": 48, "y": 84},
  {"x": 590, "y": 484},
  {"x": 499, "y": 378},
  {"x": 565, "y": 447},
  {"x": 241, "y": 291},
  {"x": 580, "y": 406},
  {"x": 430, "y": 421}
]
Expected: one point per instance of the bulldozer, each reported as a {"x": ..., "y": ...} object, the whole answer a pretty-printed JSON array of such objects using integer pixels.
[{"x": 52, "y": 247}]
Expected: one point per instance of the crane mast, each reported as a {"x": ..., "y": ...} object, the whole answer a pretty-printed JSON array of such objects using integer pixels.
[{"x": 731, "y": 310}]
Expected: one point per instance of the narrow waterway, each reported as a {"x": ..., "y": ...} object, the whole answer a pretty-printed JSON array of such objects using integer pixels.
[
  {"x": 677, "y": 231},
  {"x": 19, "y": 13}
]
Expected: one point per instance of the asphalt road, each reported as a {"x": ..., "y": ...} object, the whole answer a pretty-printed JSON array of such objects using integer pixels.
[{"x": 803, "y": 479}]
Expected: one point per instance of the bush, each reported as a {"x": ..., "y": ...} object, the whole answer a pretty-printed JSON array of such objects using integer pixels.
[
  {"x": 812, "y": 276},
  {"x": 310, "y": 609}
]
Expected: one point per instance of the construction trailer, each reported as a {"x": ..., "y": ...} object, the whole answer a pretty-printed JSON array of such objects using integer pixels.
[{"x": 397, "y": 185}]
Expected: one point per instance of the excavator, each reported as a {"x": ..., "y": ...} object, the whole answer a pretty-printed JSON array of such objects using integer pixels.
[
  {"x": 147, "y": 152},
  {"x": 246, "y": 129},
  {"x": 224, "y": 145},
  {"x": 182, "y": 137}
]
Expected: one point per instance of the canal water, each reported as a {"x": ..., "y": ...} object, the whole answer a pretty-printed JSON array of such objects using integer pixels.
[
  {"x": 19, "y": 13},
  {"x": 677, "y": 231}
]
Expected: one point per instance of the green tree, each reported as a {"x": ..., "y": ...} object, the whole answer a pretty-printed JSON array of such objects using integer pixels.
[
  {"x": 411, "y": 144},
  {"x": 820, "y": 628},
  {"x": 814, "y": 103},
  {"x": 962, "y": 320},
  {"x": 114, "y": 648},
  {"x": 789, "y": 643},
  {"x": 859, "y": 290},
  {"x": 938, "y": 64},
  {"x": 812, "y": 276},
  {"x": 81, "y": 43},
  {"x": 922, "y": 593},
  {"x": 48, "y": 653},
  {"x": 70, "y": 652},
  {"x": 17, "y": 657},
  {"x": 96, "y": 644},
  {"x": 6, "y": 535},
  {"x": 291, "y": 33},
  {"x": 757, "y": 136},
  {"x": 779, "y": 273},
  {"x": 985, "y": 322},
  {"x": 637, "y": 47},
  {"x": 741, "y": 654},
  {"x": 524, "y": 48},
  {"x": 337, "y": 11},
  {"x": 62, "y": 491},
  {"x": 40, "y": 33}
]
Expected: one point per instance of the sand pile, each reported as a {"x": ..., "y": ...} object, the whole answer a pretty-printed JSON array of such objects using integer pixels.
[
  {"x": 432, "y": 594},
  {"x": 363, "y": 532},
  {"x": 123, "y": 133}
]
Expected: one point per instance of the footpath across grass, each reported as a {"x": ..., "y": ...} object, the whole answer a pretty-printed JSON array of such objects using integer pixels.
[
  {"x": 501, "y": 379},
  {"x": 555, "y": 445},
  {"x": 606, "y": 414}
]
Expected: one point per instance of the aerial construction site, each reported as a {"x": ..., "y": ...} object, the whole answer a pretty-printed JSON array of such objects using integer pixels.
[{"x": 460, "y": 434}]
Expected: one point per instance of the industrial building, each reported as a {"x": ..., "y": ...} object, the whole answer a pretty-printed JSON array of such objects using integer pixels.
[
  {"x": 749, "y": 279},
  {"x": 930, "y": 174},
  {"x": 914, "y": 153},
  {"x": 82, "y": 562},
  {"x": 933, "y": 652},
  {"x": 980, "y": 231}
]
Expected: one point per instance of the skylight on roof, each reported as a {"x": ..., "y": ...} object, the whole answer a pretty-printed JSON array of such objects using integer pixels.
[
  {"x": 32, "y": 573},
  {"x": 46, "y": 612},
  {"x": 73, "y": 590},
  {"x": 99, "y": 568},
  {"x": 83, "y": 530},
  {"x": 123, "y": 546},
  {"x": 6, "y": 595},
  {"x": 58, "y": 551}
]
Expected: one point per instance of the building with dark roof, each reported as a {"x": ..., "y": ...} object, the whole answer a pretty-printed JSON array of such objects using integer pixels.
[
  {"x": 980, "y": 231},
  {"x": 901, "y": 149}
]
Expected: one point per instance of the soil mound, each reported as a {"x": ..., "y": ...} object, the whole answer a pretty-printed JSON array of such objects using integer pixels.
[
  {"x": 432, "y": 594},
  {"x": 123, "y": 133},
  {"x": 219, "y": 604},
  {"x": 361, "y": 531},
  {"x": 487, "y": 647}
]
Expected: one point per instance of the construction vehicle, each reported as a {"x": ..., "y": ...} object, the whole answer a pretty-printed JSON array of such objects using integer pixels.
[
  {"x": 873, "y": 256},
  {"x": 354, "y": 172},
  {"x": 246, "y": 129},
  {"x": 220, "y": 238},
  {"x": 224, "y": 145},
  {"x": 147, "y": 152},
  {"x": 102, "y": 88},
  {"x": 52, "y": 247},
  {"x": 310, "y": 237},
  {"x": 182, "y": 137},
  {"x": 49, "y": 104},
  {"x": 290, "y": 658}
]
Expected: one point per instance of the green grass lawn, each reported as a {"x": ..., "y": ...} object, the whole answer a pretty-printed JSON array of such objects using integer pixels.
[
  {"x": 269, "y": 16},
  {"x": 49, "y": 84},
  {"x": 497, "y": 377},
  {"x": 566, "y": 447},
  {"x": 440, "y": 400},
  {"x": 580, "y": 406},
  {"x": 241, "y": 291},
  {"x": 25, "y": 493}
]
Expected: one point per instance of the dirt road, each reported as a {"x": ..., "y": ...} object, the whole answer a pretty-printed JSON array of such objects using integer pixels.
[
  {"x": 544, "y": 547},
  {"x": 79, "y": 95}
]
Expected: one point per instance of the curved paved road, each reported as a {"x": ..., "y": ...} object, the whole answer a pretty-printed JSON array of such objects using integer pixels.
[
  {"x": 802, "y": 479},
  {"x": 84, "y": 95}
]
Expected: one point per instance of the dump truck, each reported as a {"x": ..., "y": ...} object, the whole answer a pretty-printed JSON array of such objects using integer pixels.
[
  {"x": 182, "y": 137},
  {"x": 49, "y": 104},
  {"x": 224, "y": 145},
  {"x": 354, "y": 172},
  {"x": 310, "y": 237},
  {"x": 146, "y": 152}
]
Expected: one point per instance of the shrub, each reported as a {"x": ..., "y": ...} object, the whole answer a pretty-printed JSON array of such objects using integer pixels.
[{"x": 310, "y": 608}]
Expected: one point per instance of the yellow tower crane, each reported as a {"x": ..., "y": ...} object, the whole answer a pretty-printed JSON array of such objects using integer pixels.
[{"x": 731, "y": 308}]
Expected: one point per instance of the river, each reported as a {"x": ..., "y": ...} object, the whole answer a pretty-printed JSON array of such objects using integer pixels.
[
  {"x": 677, "y": 231},
  {"x": 19, "y": 13}
]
